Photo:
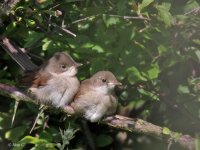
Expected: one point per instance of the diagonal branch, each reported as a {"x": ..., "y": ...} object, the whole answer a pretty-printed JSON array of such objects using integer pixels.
[
  {"x": 119, "y": 122},
  {"x": 17, "y": 53}
]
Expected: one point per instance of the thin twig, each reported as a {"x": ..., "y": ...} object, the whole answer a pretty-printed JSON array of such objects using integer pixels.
[
  {"x": 63, "y": 29},
  {"x": 41, "y": 110},
  {"x": 14, "y": 112},
  {"x": 129, "y": 17},
  {"x": 195, "y": 11},
  {"x": 83, "y": 19},
  {"x": 118, "y": 16}
]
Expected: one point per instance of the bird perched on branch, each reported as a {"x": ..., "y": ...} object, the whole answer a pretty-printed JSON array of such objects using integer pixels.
[
  {"x": 96, "y": 97},
  {"x": 55, "y": 82}
]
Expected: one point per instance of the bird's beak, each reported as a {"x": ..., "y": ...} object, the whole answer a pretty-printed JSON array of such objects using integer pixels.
[
  {"x": 78, "y": 64},
  {"x": 115, "y": 83}
]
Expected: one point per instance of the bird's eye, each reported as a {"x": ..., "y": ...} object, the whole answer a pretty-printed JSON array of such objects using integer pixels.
[
  {"x": 63, "y": 66},
  {"x": 104, "y": 80}
]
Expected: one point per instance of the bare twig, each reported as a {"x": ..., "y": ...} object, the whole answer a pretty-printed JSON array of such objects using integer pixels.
[
  {"x": 41, "y": 110},
  {"x": 14, "y": 112},
  {"x": 83, "y": 19},
  {"x": 63, "y": 29},
  {"x": 119, "y": 122},
  {"x": 129, "y": 17},
  {"x": 110, "y": 15},
  {"x": 193, "y": 11}
]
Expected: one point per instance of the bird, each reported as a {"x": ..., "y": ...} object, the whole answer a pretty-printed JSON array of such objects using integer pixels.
[
  {"x": 55, "y": 81},
  {"x": 96, "y": 98}
]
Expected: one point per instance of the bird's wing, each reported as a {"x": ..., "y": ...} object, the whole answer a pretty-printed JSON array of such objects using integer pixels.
[{"x": 34, "y": 79}]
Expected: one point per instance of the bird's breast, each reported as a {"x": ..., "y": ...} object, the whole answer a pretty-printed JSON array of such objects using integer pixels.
[
  {"x": 64, "y": 81},
  {"x": 59, "y": 90}
]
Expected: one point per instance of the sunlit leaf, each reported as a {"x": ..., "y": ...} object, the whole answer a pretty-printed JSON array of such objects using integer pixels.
[
  {"x": 33, "y": 38},
  {"x": 162, "y": 49},
  {"x": 198, "y": 54},
  {"x": 145, "y": 3},
  {"x": 134, "y": 75},
  {"x": 183, "y": 89},
  {"x": 197, "y": 144},
  {"x": 32, "y": 140},
  {"x": 166, "y": 131},
  {"x": 153, "y": 72},
  {"x": 109, "y": 21},
  {"x": 11, "y": 26},
  {"x": 164, "y": 14}
]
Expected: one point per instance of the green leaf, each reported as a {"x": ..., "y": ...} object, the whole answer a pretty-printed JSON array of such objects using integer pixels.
[
  {"x": 197, "y": 144},
  {"x": 110, "y": 21},
  {"x": 48, "y": 146},
  {"x": 166, "y": 131},
  {"x": 163, "y": 13},
  {"x": 98, "y": 48},
  {"x": 162, "y": 49},
  {"x": 134, "y": 75},
  {"x": 153, "y": 72},
  {"x": 47, "y": 43},
  {"x": 198, "y": 54},
  {"x": 5, "y": 120},
  {"x": 33, "y": 38},
  {"x": 11, "y": 26},
  {"x": 93, "y": 47},
  {"x": 145, "y": 3},
  {"x": 190, "y": 5},
  {"x": 15, "y": 133},
  {"x": 30, "y": 22},
  {"x": 183, "y": 89},
  {"x": 103, "y": 140},
  {"x": 32, "y": 140},
  {"x": 153, "y": 96},
  {"x": 67, "y": 135}
]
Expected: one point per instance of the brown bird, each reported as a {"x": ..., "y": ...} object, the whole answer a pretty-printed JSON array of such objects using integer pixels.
[
  {"x": 96, "y": 97},
  {"x": 55, "y": 82}
]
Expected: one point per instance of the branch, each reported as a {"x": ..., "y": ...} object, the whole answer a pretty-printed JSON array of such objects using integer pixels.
[
  {"x": 194, "y": 11},
  {"x": 119, "y": 122},
  {"x": 130, "y": 17},
  {"x": 63, "y": 29},
  {"x": 7, "y": 6},
  {"x": 17, "y": 53},
  {"x": 111, "y": 15}
]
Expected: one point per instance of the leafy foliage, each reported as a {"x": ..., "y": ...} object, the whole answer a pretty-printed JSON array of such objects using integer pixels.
[{"x": 151, "y": 46}]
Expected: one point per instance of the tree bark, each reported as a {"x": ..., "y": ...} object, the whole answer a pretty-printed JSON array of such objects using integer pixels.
[
  {"x": 119, "y": 122},
  {"x": 18, "y": 54}
]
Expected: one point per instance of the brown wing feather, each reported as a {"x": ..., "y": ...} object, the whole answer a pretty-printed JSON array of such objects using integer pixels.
[
  {"x": 27, "y": 78},
  {"x": 35, "y": 79}
]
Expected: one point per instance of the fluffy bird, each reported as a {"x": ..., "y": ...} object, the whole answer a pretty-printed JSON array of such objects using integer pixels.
[
  {"x": 55, "y": 82},
  {"x": 96, "y": 97}
]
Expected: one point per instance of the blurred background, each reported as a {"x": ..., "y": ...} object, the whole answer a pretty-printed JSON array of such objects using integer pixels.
[{"x": 152, "y": 47}]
